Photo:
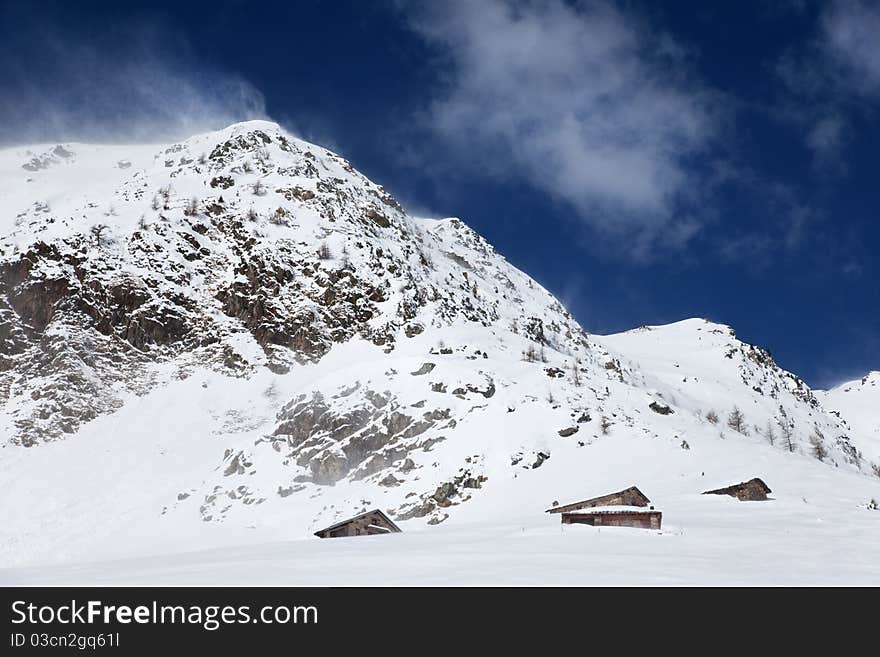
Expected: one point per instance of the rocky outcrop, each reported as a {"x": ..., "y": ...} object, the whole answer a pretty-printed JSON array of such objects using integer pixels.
[
  {"x": 424, "y": 369},
  {"x": 661, "y": 409},
  {"x": 371, "y": 434}
]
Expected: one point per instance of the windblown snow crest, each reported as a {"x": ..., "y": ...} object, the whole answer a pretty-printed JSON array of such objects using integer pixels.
[{"x": 339, "y": 341}]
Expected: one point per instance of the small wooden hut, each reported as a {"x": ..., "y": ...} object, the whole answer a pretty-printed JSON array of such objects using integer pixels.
[
  {"x": 751, "y": 490},
  {"x": 625, "y": 508},
  {"x": 366, "y": 524}
]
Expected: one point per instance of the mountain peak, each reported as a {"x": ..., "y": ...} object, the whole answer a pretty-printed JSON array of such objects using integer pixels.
[
  {"x": 871, "y": 378},
  {"x": 252, "y": 124}
]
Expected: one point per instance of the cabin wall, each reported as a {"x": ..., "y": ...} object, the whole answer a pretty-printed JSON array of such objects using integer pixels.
[
  {"x": 638, "y": 520},
  {"x": 752, "y": 492}
]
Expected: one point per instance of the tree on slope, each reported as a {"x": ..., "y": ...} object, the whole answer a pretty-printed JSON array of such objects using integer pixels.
[
  {"x": 787, "y": 434},
  {"x": 737, "y": 421},
  {"x": 98, "y": 232},
  {"x": 192, "y": 207},
  {"x": 817, "y": 444},
  {"x": 769, "y": 434}
]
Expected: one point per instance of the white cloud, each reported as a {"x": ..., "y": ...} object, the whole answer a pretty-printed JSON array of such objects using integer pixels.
[
  {"x": 582, "y": 102},
  {"x": 851, "y": 40}
]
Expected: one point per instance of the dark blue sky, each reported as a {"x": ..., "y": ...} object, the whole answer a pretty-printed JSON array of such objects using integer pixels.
[{"x": 645, "y": 161}]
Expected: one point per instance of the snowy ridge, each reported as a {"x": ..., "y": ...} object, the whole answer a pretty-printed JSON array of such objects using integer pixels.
[
  {"x": 239, "y": 338},
  {"x": 857, "y": 403}
]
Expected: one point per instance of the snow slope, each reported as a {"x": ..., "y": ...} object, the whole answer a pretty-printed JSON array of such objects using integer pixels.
[
  {"x": 813, "y": 531},
  {"x": 858, "y": 403},
  {"x": 211, "y": 349}
]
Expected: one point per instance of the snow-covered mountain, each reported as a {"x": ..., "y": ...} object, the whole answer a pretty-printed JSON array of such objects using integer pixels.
[
  {"x": 239, "y": 338},
  {"x": 857, "y": 403}
]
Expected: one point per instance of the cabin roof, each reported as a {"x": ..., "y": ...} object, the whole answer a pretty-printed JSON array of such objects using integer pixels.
[
  {"x": 606, "y": 510},
  {"x": 342, "y": 523},
  {"x": 573, "y": 506},
  {"x": 727, "y": 489}
]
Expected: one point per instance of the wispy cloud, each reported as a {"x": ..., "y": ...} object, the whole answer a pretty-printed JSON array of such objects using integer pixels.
[
  {"x": 827, "y": 136},
  {"x": 792, "y": 224},
  {"x": 834, "y": 77},
  {"x": 138, "y": 81},
  {"x": 583, "y": 102},
  {"x": 851, "y": 42}
]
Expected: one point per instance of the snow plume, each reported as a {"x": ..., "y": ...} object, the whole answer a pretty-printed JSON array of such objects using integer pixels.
[
  {"x": 579, "y": 101},
  {"x": 134, "y": 83}
]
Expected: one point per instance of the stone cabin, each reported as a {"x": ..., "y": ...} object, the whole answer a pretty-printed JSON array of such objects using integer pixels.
[
  {"x": 369, "y": 523},
  {"x": 751, "y": 490},
  {"x": 625, "y": 508},
  {"x": 631, "y": 496}
]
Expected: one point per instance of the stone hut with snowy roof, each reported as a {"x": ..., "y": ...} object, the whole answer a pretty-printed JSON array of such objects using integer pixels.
[
  {"x": 366, "y": 524},
  {"x": 751, "y": 490},
  {"x": 625, "y": 508}
]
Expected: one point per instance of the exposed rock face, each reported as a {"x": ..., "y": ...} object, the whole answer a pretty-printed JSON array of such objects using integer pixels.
[
  {"x": 447, "y": 494},
  {"x": 194, "y": 278},
  {"x": 539, "y": 459},
  {"x": 424, "y": 369},
  {"x": 358, "y": 433}
]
